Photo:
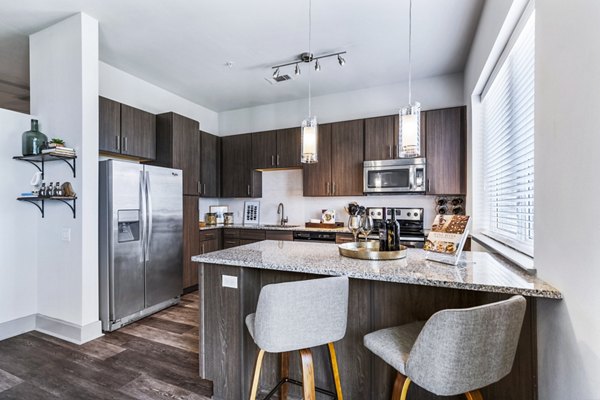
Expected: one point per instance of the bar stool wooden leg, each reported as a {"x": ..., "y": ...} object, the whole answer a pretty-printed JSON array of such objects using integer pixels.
[
  {"x": 474, "y": 395},
  {"x": 308, "y": 375},
  {"x": 336, "y": 372},
  {"x": 401, "y": 385},
  {"x": 256, "y": 376},
  {"x": 285, "y": 373}
]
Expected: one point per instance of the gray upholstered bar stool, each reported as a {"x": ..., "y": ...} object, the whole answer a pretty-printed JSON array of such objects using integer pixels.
[
  {"x": 295, "y": 316},
  {"x": 456, "y": 351}
]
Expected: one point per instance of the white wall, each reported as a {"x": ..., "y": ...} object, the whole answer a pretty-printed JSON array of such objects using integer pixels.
[
  {"x": 131, "y": 90},
  {"x": 567, "y": 146},
  {"x": 19, "y": 229},
  {"x": 286, "y": 187},
  {"x": 64, "y": 95},
  {"x": 432, "y": 93}
]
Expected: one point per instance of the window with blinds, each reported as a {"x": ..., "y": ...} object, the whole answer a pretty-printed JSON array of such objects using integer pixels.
[{"x": 507, "y": 117}]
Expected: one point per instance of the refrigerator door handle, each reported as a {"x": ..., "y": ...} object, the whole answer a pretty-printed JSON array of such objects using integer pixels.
[
  {"x": 143, "y": 213},
  {"x": 149, "y": 215}
]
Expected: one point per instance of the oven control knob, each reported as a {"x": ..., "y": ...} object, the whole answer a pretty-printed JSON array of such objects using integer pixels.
[{"x": 408, "y": 214}]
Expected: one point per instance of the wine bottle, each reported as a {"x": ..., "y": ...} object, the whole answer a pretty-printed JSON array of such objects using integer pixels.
[
  {"x": 394, "y": 233},
  {"x": 383, "y": 233}
]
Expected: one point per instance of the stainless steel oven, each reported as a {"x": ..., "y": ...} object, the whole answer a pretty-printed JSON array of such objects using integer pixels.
[{"x": 403, "y": 175}]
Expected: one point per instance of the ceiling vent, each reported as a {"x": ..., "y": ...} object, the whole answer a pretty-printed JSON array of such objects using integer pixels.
[{"x": 279, "y": 79}]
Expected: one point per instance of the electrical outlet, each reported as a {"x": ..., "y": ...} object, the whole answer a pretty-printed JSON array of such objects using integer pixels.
[
  {"x": 66, "y": 234},
  {"x": 229, "y": 281}
]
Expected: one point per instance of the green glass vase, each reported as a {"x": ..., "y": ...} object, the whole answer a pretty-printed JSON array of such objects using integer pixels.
[{"x": 33, "y": 141}]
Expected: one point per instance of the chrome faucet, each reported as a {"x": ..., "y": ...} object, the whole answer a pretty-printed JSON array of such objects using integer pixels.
[{"x": 282, "y": 220}]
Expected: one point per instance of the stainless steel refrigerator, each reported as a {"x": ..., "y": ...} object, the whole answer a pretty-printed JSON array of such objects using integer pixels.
[{"x": 141, "y": 241}]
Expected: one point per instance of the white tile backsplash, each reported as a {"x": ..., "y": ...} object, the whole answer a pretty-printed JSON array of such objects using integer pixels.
[{"x": 285, "y": 187}]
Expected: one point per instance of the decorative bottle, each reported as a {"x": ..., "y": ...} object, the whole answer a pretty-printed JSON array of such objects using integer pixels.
[
  {"x": 383, "y": 233},
  {"x": 393, "y": 232},
  {"x": 57, "y": 190},
  {"x": 33, "y": 141},
  {"x": 50, "y": 190},
  {"x": 42, "y": 192}
]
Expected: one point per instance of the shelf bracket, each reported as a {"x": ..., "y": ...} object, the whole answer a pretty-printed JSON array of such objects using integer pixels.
[
  {"x": 73, "y": 207},
  {"x": 35, "y": 164},
  {"x": 71, "y": 165},
  {"x": 38, "y": 204}
]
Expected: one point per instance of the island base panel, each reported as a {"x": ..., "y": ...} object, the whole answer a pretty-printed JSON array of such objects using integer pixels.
[{"x": 228, "y": 352}]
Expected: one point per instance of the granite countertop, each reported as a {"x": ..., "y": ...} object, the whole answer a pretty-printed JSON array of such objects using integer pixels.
[
  {"x": 476, "y": 271},
  {"x": 275, "y": 228}
]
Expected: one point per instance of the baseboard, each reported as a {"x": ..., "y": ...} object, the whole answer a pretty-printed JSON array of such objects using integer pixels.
[
  {"x": 190, "y": 289},
  {"x": 68, "y": 331},
  {"x": 17, "y": 326}
]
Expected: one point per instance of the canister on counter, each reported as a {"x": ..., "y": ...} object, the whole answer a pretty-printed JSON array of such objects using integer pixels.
[
  {"x": 228, "y": 218},
  {"x": 211, "y": 218}
]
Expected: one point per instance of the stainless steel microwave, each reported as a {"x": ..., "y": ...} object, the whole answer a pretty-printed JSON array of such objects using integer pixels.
[{"x": 403, "y": 175}]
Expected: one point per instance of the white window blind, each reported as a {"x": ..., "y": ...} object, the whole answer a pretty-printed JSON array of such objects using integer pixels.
[{"x": 507, "y": 105}]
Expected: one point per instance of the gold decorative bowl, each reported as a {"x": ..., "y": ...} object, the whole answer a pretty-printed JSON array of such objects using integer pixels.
[{"x": 370, "y": 251}]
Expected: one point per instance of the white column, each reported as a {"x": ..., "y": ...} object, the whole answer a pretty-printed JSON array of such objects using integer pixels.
[{"x": 64, "y": 96}]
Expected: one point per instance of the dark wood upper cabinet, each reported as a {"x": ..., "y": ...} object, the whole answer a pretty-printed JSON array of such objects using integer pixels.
[
  {"x": 317, "y": 176},
  {"x": 381, "y": 138},
  {"x": 178, "y": 146},
  {"x": 276, "y": 149},
  {"x": 264, "y": 149},
  {"x": 191, "y": 240},
  {"x": 138, "y": 133},
  {"x": 445, "y": 133},
  {"x": 347, "y": 153},
  {"x": 210, "y": 165},
  {"x": 288, "y": 148},
  {"x": 110, "y": 125},
  {"x": 126, "y": 130},
  {"x": 238, "y": 178}
]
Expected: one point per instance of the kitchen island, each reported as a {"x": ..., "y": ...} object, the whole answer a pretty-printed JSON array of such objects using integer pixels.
[{"x": 382, "y": 294}]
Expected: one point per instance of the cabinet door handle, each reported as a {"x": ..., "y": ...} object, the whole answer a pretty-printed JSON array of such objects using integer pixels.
[
  {"x": 333, "y": 189},
  {"x": 118, "y": 143},
  {"x": 428, "y": 185},
  {"x": 278, "y": 160},
  {"x": 125, "y": 144},
  {"x": 327, "y": 188},
  {"x": 199, "y": 187},
  {"x": 390, "y": 148},
  {"x": 202, "y": 248},
  {"x": 272, "y": 160},
  {"x": 204, "y": 188},
  {"x": 248, "y": 190}
]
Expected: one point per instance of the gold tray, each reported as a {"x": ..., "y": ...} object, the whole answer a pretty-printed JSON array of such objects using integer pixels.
[{"x": 370, "y": 251}]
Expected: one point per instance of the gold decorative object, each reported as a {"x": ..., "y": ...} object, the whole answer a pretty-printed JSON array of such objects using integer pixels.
[{"x": 370, "y": 251}]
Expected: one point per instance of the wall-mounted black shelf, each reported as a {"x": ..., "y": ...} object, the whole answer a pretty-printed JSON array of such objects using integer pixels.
[
  {"x": 40, "y": 201},
  {"x": 38, "y": 161}
]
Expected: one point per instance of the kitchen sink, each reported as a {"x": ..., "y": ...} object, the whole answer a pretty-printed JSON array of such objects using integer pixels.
[{"x": 279, "y": 226}]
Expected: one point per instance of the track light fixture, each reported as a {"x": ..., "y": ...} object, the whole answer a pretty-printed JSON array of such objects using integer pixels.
[{"x": 308, "y": 58}]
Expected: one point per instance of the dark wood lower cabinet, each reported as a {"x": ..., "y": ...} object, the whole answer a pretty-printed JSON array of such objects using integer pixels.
[
  {"x": 191, "y": 240},
  {"x": 373, "y": 305}
]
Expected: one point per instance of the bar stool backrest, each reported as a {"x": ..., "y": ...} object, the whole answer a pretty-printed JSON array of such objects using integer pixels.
[
  {"x": 461, "y": 350},
  {"x": 298, "y": 315}
]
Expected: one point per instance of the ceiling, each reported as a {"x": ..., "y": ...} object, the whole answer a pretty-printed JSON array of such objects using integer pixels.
[{"x": 183, "y": 45}]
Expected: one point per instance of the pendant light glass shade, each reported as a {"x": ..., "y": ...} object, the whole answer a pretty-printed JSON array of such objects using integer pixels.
[
  {"x": 310, "y": 135},
  {"x": 410, "y": 131}
]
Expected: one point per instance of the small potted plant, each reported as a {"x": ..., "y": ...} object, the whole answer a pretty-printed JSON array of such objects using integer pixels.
[{"x": 56, "y": 142}]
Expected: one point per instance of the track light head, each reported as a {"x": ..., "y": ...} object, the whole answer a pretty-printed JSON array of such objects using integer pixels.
[
  {"x": 297, "y": 70},
  {"x": 317, "y": 65},
  {"x": 341, "y": 60},
  {"x": 276, "y": 73}
]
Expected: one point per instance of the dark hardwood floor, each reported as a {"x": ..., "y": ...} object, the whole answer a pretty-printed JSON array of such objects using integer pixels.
[{"x": 155, "y": 358}]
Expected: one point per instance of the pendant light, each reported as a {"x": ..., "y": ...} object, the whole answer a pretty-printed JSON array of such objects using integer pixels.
[
  {"x": 309, "y": 129},
  {"x": 410, "y": 116}
]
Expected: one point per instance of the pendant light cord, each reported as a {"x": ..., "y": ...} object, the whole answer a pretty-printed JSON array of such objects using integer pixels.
[
  {"x": 410, "y": 52},
  {"x": 310, "y": 54}
]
